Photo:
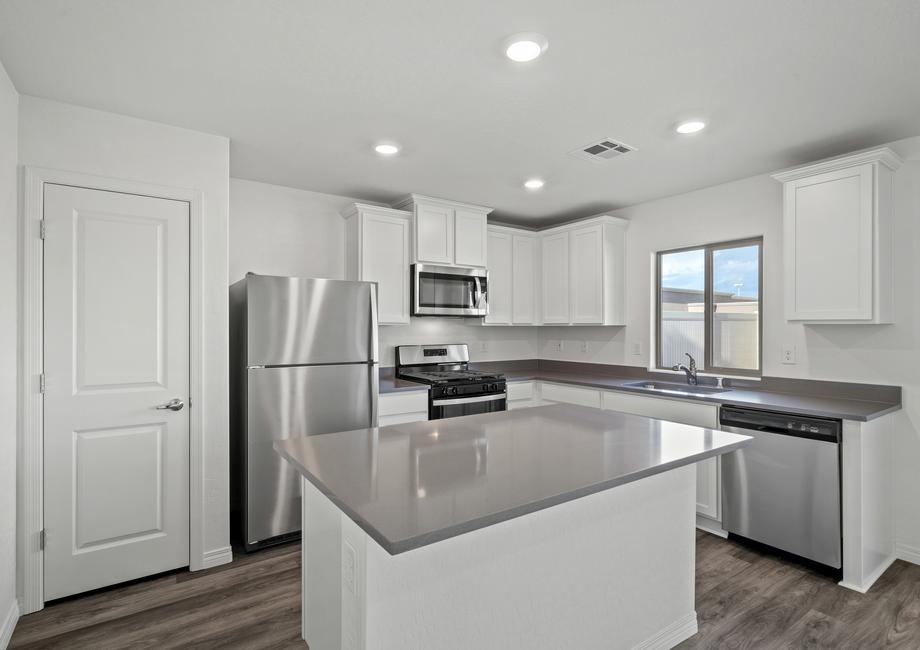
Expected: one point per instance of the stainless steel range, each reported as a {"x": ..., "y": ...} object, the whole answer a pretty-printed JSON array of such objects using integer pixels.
[{"x": 456, "y": 389}]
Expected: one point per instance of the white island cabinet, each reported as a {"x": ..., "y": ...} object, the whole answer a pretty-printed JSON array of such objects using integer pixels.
[
  {"x": 446, "y": 232},
  {"x": 377, "y": 250},
  {"x": 542, "y": 528},
  {"x": 837, "y": 238}
]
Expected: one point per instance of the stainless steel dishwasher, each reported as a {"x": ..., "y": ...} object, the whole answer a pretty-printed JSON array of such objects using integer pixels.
[{"x": 783, "y": 489}]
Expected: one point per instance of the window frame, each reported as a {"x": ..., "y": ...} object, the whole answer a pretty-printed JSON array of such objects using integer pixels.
[{"x": 709, "y": 368}]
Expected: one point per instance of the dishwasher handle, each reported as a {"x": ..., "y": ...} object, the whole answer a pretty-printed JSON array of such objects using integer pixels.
[{"x": 787, "y": 424}]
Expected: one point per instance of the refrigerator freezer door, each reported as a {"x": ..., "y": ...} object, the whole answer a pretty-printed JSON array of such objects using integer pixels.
[
  {"x": 294, "y": 321},
  {"x": 290, "y": 403}
]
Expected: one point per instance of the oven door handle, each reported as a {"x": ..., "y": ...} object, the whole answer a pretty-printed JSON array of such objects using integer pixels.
[{"x": 469, "y": 400}]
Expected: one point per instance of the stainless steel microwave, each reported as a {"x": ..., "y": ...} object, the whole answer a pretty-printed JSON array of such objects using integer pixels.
[{"x": 449, "y": 290}]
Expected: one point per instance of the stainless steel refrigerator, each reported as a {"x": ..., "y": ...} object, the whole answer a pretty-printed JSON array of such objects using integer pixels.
[{"x": 304, "y": 358}]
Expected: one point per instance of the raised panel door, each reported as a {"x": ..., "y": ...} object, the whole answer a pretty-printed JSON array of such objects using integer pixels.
[
  {"x": 385, "y": 260},
  {"x": 587, "y": 283},
  {"x": 500, "y": 279},
  {"x": 434, "y": 233},
  {"x": 523, "y": 279},
  {"x": 555, "y": 261},
  {"x": 470, "y": 241}
]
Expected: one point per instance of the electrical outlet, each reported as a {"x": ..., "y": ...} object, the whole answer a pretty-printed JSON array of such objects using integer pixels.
[
  {"x": 788, "y": 354},
  {"x": 637, "y": 348},
  {"x": 555, "y": 345},
  {"x": 584, "y": 347},
  {"x": 483, "y": 346}
]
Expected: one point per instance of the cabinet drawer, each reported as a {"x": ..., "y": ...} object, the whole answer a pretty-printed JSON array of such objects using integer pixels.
[
  {"x": 401, "y": 418},
  {"x": 571, "y": 395},
  {"x": 400, "y": 403},
  {"x": 520, "y": 390}
]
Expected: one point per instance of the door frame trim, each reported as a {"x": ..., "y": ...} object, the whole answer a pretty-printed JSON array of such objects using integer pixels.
[{"x": 30, "y": 460}]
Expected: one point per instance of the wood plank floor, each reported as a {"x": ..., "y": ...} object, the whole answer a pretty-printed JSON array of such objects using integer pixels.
[{"x": 744, "y": 599}]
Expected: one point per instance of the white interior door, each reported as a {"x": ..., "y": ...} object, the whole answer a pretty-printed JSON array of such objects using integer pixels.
[{"x": 116, "y": 345}]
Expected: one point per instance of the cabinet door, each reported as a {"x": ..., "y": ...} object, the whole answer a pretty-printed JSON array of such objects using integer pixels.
[
  {"x": 385, "y": 260},
  {"x": 555, "y": 253},
  {"x": 828, "y": 239},
  {"x": 523, "y": 280},
  {"x": 434, "y": 234},
  {"x": 500, "y": 279},
  {"x": 700, "y": 415},
  {"x": 587, "y": 283},
  {"x": 469, "y": 238}
]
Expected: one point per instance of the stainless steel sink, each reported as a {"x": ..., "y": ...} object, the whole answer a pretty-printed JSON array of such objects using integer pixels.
[{"x": 676, "y": 389}]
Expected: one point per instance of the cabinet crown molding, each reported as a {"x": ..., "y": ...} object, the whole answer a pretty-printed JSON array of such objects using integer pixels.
[
  {"x": 882, "y": 155},
  {"x": 354, "y": 208},
  {"x": 572, "y": 225},
  {"x": 420, "y": 198}
]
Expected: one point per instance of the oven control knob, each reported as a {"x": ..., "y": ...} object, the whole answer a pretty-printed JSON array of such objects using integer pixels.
[
  {"x": 492, "y": 387},
  {"x": 450, "y": 390}
]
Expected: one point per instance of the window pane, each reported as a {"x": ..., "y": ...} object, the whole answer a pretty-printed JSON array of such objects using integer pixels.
[
  {"x": 736, "y": 312},
  {"x": 682, "y": 308}
]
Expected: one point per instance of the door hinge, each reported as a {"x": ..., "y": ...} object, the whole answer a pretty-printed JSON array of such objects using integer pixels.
[
  {"x": 41, "y": 229},
  {"x": 41, "y": 383},
  {"x": 41, "y": 539}
]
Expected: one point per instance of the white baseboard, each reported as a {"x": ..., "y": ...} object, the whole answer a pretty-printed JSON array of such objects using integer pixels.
[
  {"x": 675, "y": 633},
  {"x": 9, "y": 624},
  {"x": 870, "y": 580},
  {"x": 907, "y": 553},
  {"x": 710, "y": 526},
  {"x": 216, "y": 557}
]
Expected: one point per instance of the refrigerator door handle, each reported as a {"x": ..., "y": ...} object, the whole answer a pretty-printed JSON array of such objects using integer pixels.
[{"x": 373, "y": 327}]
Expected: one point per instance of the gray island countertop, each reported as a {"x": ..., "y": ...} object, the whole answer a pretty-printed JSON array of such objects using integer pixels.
[{"x": 410, "y": 485}]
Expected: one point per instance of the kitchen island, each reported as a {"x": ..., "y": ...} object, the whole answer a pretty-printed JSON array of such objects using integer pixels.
[{"x": 549, "y": 527}]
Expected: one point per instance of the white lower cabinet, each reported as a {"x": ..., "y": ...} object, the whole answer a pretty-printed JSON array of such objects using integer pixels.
[
  {"x": 700, "y": 415},
  {"x": 399, "y": 408},
  {"x": 521, "y": 394}
]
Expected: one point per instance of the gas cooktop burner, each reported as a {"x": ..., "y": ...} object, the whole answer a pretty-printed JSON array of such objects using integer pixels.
[{"x": 448, "y": 376}]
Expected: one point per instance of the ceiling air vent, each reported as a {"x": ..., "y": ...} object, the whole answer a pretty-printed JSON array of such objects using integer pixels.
[{"x": 602, "y": 151}]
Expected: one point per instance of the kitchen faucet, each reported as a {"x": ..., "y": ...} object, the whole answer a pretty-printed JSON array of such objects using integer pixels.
[{"x": 691, "y": 371}]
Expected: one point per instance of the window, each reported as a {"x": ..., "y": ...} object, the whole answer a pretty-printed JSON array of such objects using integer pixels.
[{"x": 709, "y": 306}]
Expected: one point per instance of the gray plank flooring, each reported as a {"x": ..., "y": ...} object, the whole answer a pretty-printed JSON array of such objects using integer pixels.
[{"x": 744, "y": 599}]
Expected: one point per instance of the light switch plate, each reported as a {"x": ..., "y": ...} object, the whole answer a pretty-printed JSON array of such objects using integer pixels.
[
  {"x": 788, "y": 354},
  {"x": 483, "y": 346},
  {"x": 637, "y": 348},
  {"x": 584, "y": 347}
]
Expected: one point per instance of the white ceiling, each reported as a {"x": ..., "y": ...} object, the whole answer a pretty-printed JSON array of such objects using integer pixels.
[{"x": 305, "y": 88}]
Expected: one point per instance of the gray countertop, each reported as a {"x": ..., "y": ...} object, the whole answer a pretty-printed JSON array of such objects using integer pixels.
[
  {"x": 410, "y": 485},
  {"x": 847, "y": 401}
]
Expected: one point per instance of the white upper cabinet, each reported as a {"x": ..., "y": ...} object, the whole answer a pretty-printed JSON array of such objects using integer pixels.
[
  {"x": 512, "y": 276},
  {"x": 446, "y": 232},
  {"x": 837, "y": 238},
  {"x": 587, "y": 282},
  {"x": 524, "y": 280},
  {"x": 555, "y": 254},
  {"x": 469, "y": 237},
  {"x": 500, "y": 277},
  {"x": 377, "y": 250},
  {"x": 584, "y": 272}
]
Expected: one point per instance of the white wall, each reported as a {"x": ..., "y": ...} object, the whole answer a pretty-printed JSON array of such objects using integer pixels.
[
  {"x": 9, "y": 102},
  {"x": 884, "y": 354},
  {"x": 65, "y": 137},
  {"x": 284, "y": 231}
]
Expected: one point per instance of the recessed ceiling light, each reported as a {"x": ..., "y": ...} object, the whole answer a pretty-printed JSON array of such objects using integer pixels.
[
  {"x": 533, "y": 183},
  {"x": 386, "y": 149},
  {"x": 525, "y": 46},
  {"x": 691, "y": 126}
]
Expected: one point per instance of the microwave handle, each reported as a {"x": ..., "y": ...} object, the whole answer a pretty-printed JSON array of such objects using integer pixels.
[{"x": 477, "y": 296}]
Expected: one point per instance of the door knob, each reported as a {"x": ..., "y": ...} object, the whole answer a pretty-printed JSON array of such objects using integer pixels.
[{"x": 175, "y": 404}]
